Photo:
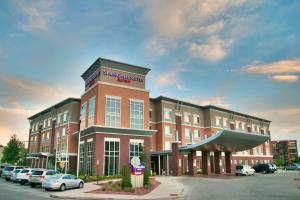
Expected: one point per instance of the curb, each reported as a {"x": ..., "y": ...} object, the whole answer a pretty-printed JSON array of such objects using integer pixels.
[{"x": 111, "y": 198}]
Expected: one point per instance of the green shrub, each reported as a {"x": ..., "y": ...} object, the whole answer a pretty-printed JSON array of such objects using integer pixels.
[
  {"x": 126, "y": 178},
  {"x": 147, "y": 170}
]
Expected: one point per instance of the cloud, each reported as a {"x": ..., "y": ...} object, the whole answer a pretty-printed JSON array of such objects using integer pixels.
[
  {"x": 37, "y": 15},
  {"x": 15, "y": 91},
  {"x": 213, "y": 50},
  {"x": 278, "y": 67},
  {"x": 155, "y": 47},
  {"x": 216, "y": 101},
  {"x": 188, "y": 22},
  {"x": 208, "y": 30},
  {"x": 14, "y": 121},
  {"x": 170, "y": 78},
  {"x": 285, "y": 78},
  {"x": 285, "y": 122}
]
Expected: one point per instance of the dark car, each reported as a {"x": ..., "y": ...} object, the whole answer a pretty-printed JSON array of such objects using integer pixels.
[
  {"x": 263, "y": 168},
  {"x": 1, "y": 169}
]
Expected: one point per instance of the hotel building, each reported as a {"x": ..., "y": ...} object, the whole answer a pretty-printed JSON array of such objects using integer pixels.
[{"x": 118, "y": 120}]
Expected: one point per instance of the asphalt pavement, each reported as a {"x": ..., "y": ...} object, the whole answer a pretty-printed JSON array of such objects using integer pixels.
[{"x": 278, "y": 186}]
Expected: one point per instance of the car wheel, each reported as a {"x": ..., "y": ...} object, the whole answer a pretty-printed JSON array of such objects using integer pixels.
[
  {"x": 62, "y": 187},
  {"x": 22, "y": 183},
  {"x": 32, "y": 185},
  {"x": 7, "y": 179},
  {"x": 264, "y": 172},
  {"x": 47, "y": 189},
  {"x": 80, "y": 185}
]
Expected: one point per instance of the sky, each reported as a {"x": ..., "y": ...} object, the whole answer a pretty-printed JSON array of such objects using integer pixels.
[{"x": 237, "y": 54}]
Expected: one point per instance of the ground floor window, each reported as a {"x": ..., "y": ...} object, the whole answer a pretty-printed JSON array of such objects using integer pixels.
[
  {"x": 90, "y": 157},
  {"x": 111, "y": 156},
  {"x": 136, "y": 147},
  {"x": 81, "y": 158}
]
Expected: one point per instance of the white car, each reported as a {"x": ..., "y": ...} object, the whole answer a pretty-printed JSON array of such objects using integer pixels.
[
  {"x": 244, "y": 170},
  {"x": 23, "y": 176}
]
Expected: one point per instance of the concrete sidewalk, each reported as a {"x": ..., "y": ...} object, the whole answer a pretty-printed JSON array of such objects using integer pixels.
[{"x": 169, "y": 188}]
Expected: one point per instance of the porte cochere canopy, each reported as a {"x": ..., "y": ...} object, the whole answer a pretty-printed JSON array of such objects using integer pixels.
[{"x": 228, "y": 141}]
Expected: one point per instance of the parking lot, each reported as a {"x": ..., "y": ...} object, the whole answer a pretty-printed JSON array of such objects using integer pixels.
[
  {"x": 15, "y": 191},
  {"x": 278, "y": 186}
]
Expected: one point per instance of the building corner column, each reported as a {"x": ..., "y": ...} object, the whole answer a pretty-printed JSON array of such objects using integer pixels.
[
  {"x": 206, "y": 163},
  {"x": 192, "y": 163},
  {"x": 176, "y": 160},
  {"x": 228, "y": 157},
  {"x": 217, "y": 157}
]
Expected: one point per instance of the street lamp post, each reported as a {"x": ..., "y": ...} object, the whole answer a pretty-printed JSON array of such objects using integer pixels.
[{"x": 78, "y": 149}]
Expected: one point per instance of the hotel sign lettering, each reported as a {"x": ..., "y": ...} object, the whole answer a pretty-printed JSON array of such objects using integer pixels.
[
  {"x": 123, "y": 77},
  {"x": 116, "y": 77}
]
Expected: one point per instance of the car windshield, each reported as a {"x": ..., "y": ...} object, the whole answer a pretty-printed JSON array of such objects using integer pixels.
[
  {"x": 38, "y": 173},
  {"x": 17, "y": 171},
  {"x": 239, "y": 167},
  {"x": 9, "y": 169},
  {"x": 24, "y": 171}
]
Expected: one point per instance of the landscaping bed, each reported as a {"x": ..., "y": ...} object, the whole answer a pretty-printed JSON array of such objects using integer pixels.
[{"x": 114, "y": 187}]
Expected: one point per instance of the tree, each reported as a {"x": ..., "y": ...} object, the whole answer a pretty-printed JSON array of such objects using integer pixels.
[
  {"x": 126, "y": 178},
  {"x": 147, "y": 170},
  {"x": 13, "y": 152},
  {"x": 297, "y": 160},
  {"x": 279, "y": 160}
]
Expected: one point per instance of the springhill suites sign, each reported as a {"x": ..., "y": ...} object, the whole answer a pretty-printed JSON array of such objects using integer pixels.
[{"x": 123, "y": 77}]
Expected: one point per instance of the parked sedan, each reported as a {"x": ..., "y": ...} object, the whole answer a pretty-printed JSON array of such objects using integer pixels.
[
  {"x": 8, "y": 171},
  {"x": 293, "y": 166},
  {"x": 62, "y": 182},
  {"x": 38, "y": 176},
  {"x": 13, "y": 178},
  {"x": 244, "y": 170}
]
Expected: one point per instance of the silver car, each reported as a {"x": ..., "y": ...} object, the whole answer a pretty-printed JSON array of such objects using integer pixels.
[
  {"x": 39, "y": 175},
  {"x": 62, "y": 182},
  {"x": 13, "y": 178},
  {"x": 8, "y": 171}
]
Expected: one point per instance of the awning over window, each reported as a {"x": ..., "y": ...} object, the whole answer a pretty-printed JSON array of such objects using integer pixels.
[{"x": 228, "y": 141}]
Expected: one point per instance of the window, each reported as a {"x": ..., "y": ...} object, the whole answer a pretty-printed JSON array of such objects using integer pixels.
[
  {"x": 136, "y": 114},
  {"x": 243, "y": 126},
  {"x": 59, "y": 118},
  {"x": 150, "y": 114},
  {"x": 168, "y": 132},
  {"x": 225, "y": 122},
  {"x": 63, "y": 148},
  {"x": 267, "y": 146},
  {"x": 187, "y": 117},
  {"x": 81, "y": 158},
  {"x": 112, "y": 111},
  {"x": 91, "y": 118},
  {"x": 83, "y": 116},
  {"x": 49, "y": 122},
  {"x": 196, "y": 119},
  {"x": 237, "y": 124},
  {"x": 167, "y": 114},
  {"x": 111, "y": 156},
  {"x": 66, "y": 115},
  {"x": 253, "y": 128},
  {"x": 135, "y": 148},
  {"x": 90, "y": 157},
  {"x": 197, "y": 134},
  {"x": 63, "y": 132},
  {"x": 167, "y": 145},
  {"x": 45, "y": 123},
  {"x": 218, "y": 121},
  {"x": 187, "y": 133},
  {"x": 205, "y": 136}
]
